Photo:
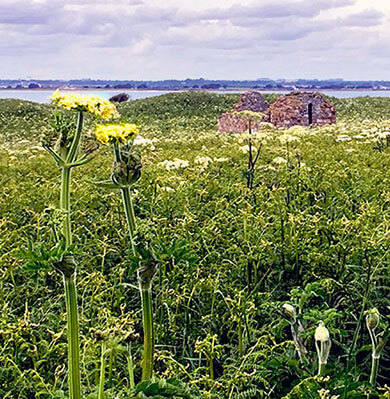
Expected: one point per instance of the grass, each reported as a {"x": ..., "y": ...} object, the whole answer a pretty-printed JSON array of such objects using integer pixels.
[{"x": 317, "y": 234}]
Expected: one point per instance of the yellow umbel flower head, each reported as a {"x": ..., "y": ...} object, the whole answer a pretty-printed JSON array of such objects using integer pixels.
[
  {"x": 107, "y": 134},
  {"x": 95, "y": 105}
]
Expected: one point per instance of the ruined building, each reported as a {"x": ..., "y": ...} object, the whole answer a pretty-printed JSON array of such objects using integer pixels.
[
  {"x": 250, "y": 101},
  {"x": 297, "y": 108},
  {"x": 302, "y": 108}
]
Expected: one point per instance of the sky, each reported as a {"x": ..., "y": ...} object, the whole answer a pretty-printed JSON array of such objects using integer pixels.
[{"x": 178, "y": 39}]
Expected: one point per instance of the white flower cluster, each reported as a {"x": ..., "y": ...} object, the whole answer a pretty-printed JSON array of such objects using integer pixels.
[
  {"x": 204, "y": 162},
  {"x": 288, "y": 138},
  {"x": 142, "y": 141},
  {"x": 343, "y": 137},
  {"x": 244, "y": 149},
  {"x": 279, "y": 160},
  {"x": 175, "y": 164},
  {"x": 382, "y": 135}
]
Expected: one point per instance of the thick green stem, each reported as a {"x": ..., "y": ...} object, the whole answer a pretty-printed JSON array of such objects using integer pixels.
[
  {"x": 73, "y": 337},
  {"x": 70, "y": 278},
  {"x": 65, "y": 204},
  {"x": 74, "y": 148},
  {"x": 130, "y": 217},
  {"x": 148, "y": 354},
  {"x": 102, "y": 372},
  {"x": 127, "y": 203},
  {"x": 374, "y": 370}
]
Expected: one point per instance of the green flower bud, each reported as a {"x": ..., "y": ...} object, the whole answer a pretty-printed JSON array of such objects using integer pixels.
[
  {"x": 128, "y": 170},
  {"x": 372, "y": 318},
  {"x": 66, "y": 266}
]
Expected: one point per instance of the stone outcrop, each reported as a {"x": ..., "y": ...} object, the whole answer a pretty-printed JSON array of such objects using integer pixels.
[
  {"x": 302, "y": 108},
  {"x": 230, "y": 122}
]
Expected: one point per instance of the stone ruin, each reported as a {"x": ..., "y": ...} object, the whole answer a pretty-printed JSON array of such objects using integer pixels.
[
  {"x": 297, "y": 108},
  {"x": 302, "y": 108},
  {"x": 250, "y": 101}
]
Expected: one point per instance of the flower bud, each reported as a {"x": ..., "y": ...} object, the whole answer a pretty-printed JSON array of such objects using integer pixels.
[
  {"x": 322, "y": 333},
  {"x": 372, "y": 318},
  {"x": 127, "y": 171},
  {"x": 323, "y": 343},
  {"x": 290, "y": 311}
]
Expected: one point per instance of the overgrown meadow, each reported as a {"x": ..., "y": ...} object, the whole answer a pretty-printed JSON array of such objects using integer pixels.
[{"x": 313, "y": 233}]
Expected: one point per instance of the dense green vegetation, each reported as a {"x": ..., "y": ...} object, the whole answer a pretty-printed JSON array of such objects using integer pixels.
[{"x": 314, "y": 232}]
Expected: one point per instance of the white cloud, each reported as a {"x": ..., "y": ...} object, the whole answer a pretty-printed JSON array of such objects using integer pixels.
[{"x": 219, "y": 39}]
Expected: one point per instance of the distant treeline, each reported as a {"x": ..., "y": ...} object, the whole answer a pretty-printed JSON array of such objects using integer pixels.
[{"x": 195, "y": 84}]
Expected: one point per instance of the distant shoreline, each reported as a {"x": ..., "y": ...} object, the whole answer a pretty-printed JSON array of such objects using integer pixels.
[{"x": 189, "y": 90}]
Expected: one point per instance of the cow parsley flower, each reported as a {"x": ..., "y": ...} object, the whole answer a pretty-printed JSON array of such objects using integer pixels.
[
  {"x": 175, "y": 164},
  {"x": 279, "y": 161},
  {"x": 204, "y": 162}
]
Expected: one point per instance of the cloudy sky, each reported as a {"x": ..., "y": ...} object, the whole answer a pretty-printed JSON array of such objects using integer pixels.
[{"x": 215, "y": 39}]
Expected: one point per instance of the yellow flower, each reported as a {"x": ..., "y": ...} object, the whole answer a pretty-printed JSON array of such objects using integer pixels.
[
  {"x": 107, "y": 134},
  {"x": 97, "y": 106}
]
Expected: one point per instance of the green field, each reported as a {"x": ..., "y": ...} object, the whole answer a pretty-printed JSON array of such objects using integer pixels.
[{"x": 314, "y": 232}]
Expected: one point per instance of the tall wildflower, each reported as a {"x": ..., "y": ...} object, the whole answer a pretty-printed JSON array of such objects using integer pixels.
[
  {"x": 67, "y": 156},
  {"x": 126, "y": 171}
]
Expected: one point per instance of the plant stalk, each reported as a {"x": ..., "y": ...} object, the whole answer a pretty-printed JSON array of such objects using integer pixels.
[
  {"x": 66, "y": 173},
  {"x": 73, "y": 337},
  {"x": 321, "y": 367},
  {"x": 148, "y": 354},
  {"x": 130, "y": 368},
  {"x": 70, "y": 279},
  {"x": 127, "y": 203},
  {"x": 102, "y": 372},
  {"x": 374, "y": 370},
  {"x": 130, "y": 217}
]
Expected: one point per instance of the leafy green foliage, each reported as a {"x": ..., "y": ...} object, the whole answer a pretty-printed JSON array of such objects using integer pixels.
[{"x": 317, "y": 237}]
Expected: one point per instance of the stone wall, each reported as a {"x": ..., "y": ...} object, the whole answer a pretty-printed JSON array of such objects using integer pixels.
[
  {"x": 293, "y": 109},
  {"x": 232, "y": 123},
  {"x": 250, "y": 101}
]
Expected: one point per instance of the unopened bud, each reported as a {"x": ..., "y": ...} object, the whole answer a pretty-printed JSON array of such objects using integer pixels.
[
  {"x": 323, "y": 343},
  {"x": 290, "y": 311},
  {"x": 322, "y": 333},
  {"x": 372, "y": 318}
]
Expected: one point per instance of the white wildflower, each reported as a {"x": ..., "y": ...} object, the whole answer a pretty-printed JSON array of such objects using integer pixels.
[
  {"x": 175, "y": 164},
  {"x": 167, "y": 189},
  {"x": 204, "y": 162},
  {"x": 288, "y": 138},
  {"x": 279, "y": 161},
  {"x": 221, "y": 159},
  {"x": 142, "y": 141},
  {"x": 244, "y": 149},
  {"x": 343, "y": 137},
  {"x": 383, "y": 135}
]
